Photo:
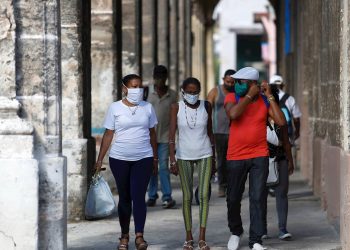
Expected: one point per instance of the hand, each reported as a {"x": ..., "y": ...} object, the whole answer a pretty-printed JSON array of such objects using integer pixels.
[
  {"x": 213, "y": 167},
  {"x": 174, "y": 168},
  {"x": 290, "y": 168},
  {"x": 98, "y": 167},
  {"x": 155, "y": 167},
  {"x": 254, "y": 90},
  {"x": 266, "y": 88}
]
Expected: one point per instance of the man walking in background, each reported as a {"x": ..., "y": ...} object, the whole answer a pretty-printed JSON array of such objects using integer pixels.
[
  {"x": 161, "y": 97},
  {"x": 221, "y": 124}
]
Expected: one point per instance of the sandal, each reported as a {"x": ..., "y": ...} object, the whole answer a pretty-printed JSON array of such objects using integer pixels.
[
  {"x": 204, "y": 245},
  {"x": 188, "y": 245},
  {"x": 123, "y": 246},
  {"x": 141, "y": 245}
]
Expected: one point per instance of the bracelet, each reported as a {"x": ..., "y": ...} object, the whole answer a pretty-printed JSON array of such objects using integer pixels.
[
  {"x": 173, "y": 163},
  {"x": 171, "y": 142},
  {"x": 251, "y": 98},
  {"x": 155, "y": 159},
  {"x": 98, "y": 161}
]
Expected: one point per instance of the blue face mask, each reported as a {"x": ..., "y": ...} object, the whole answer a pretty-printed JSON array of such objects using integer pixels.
[{"x": 241, "y": 89}]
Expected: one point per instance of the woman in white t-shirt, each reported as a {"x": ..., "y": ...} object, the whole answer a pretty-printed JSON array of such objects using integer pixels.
[
  {"x": 133, "y": 155},
  {"x": 195, "y": 147}
]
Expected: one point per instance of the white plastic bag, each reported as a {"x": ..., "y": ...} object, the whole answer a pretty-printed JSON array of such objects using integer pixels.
[
  {"x": 273, "y": 177},
  {"x": 99, "y": 201}
]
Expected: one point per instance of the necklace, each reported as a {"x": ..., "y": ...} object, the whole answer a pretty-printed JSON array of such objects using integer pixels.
[
  {"x": 193, "y": 119},
  {"x": 133, "y": 111}
]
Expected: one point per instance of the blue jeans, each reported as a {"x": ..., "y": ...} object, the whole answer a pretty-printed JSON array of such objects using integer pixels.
[
  {"x": 164, "y": 175},
  {"x": 258, "y": 169}
]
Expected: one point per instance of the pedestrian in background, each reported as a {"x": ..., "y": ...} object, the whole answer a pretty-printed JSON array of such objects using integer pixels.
[
  {"x": 195, "y": 147},
  {"x": 133, "y": 155},
  {"x": 161, "y": 97},
  {"x": 248, "y": 109},
  {"x": 284, "y": 160},
  {"x": 221, "y": 124}
]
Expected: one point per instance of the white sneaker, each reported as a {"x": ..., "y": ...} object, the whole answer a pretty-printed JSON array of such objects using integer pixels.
[
  {"x": 258, "y": 246},
  {"x": 233, "y": 242}
]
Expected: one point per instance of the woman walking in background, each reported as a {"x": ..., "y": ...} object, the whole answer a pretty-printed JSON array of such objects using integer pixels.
[
  {"x": 132, "y": 157},
  {"x": 195, "y": 147}
]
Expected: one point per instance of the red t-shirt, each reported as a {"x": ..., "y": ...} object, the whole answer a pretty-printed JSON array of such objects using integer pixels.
[{"x": 247, "y": 137}]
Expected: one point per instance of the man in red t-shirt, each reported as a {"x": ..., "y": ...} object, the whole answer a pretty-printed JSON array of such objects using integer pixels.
[{"x": 248, "y": 109}]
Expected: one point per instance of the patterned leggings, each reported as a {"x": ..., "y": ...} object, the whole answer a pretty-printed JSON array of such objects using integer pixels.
[{"x": 186, "y": 177}]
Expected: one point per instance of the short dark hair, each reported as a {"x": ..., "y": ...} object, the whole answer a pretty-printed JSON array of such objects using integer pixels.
[
  {"x": 191, "y": 80},
  {"x": 229, "y": 72},
  {"x": 160, "y": 72},
  {"x": 126, "y": 79}
]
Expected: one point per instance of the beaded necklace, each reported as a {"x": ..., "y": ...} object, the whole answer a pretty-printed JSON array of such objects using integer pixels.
[{"x": 193, "y": 120}]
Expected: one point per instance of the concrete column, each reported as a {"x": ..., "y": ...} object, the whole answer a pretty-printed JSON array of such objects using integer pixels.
[
  {"x": 188, "y": 38},
  {"x": 182, "y": 40},
  {"x": 38, "y": 84},
  {"x": 129, "y": 53},
  {"x": 147, "y": 52},
  {"x": 163, "y": 32},
  {"x": 345, "y": 124},
  {"x": 210, "y": 71},
  {"x": 19, "y": 194},
  {"x": 78, "y": 146},
  {"x": 174, "y": 45}
]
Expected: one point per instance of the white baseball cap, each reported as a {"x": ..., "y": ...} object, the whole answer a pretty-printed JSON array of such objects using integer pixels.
[
  {"x": 247, "y": 73},
  {"x": 276, "y": 79}
]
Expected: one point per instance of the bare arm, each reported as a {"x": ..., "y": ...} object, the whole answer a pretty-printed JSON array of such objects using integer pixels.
[
  {"x": 276, "y": 114},
  {"x": 211, "y": 137},
  {"x": 212, "y": 96},
  {"x": 296, "y": 122},
  {"x": 287, "y": 148},
  {"x": 153, "y": 138},
  {"x": 234, "y": 111},
  {"x": 172, "y": 131},
  {"x": 106, "y": 142}
]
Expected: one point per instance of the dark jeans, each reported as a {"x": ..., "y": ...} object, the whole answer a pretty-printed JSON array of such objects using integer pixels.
[
  {"x": 237, "y": 175},
  {"x": 132, "y": 178},
  {"x": 281, "y": 193},
  {"x": 221, "y": 144}
]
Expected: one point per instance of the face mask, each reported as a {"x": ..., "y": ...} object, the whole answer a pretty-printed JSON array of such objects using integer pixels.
[
  {"x": 229, "y": 88},
  {"x": 191, "y": 99},
  {"x": 135, "y": 95},
  {"x": 241, "y": 89}
]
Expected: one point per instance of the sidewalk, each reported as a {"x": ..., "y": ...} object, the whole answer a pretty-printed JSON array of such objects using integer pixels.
[{"x": 165, "y": 229}]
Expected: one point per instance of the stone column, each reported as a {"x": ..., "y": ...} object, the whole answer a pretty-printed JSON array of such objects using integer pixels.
[
  {"x": 19, "y": 194},
  {"x": 128, "y": 29},
  {"x": 38, "y": 84},
  {"x": 163, "y": 32},
  {"x": 147, "y": 52},
  {"x": 345, "y": 124},
  {"x": 182, "y": 40},
  {"x": 174, "y": 45},
  {"x": 78, "y": 145}
]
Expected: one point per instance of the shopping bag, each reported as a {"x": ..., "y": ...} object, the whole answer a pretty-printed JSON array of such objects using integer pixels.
[
  {"x": 99, "y": 201},
  {"x": 273, "y": 177}
]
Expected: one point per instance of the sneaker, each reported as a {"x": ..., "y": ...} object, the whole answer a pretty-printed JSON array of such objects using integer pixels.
[
  {"x": 258, "y": 246},
  {"x": 284, "y": 235},
  {"x": 265, "y": 237},
  {"x": 233, "y": 242},
  {"x": 169, "y": 203},
  {"x": 151, "y": 202}
]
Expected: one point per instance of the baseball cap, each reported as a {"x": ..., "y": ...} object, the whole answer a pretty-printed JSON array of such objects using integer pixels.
[
  {"x": 276, "y": 79},
  {"x": 247, "y": 73}
]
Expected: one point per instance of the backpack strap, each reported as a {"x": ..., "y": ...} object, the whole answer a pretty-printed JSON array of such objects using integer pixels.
[
  {"x": 206, "y": 105},
  {"x": 145, "y": 93},
  {"x": 284, "y": 99}
]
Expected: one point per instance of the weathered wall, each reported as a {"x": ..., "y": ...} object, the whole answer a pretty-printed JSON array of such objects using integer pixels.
[
  {"x": 19, "y": 170},
  {"x": 317, "y": 70},
  {"x": 38, "y": 88}
]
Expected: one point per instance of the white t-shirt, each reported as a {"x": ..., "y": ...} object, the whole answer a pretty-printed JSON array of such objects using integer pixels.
[
  {"x": 132, "y": 136},
  {"x": 291, "y": 104}
]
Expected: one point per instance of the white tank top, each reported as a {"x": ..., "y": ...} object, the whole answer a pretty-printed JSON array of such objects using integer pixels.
[{"x": 193, "y": 140}]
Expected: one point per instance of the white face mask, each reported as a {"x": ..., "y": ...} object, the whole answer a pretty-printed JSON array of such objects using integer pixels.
[
  {"x": 135, "y": 95},
  {"x": 191, "y": 99}
]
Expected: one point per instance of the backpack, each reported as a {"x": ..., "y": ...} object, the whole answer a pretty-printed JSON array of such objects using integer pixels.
[{"x": 287, "y": 114}]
